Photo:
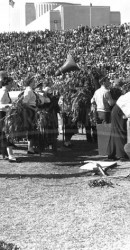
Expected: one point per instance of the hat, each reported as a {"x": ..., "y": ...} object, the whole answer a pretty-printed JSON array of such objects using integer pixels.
[
  {"x": 103, "y": 79},
  {"x": 47, "y": 90},
  {"x": 29, "y": 79},
  {"x": 39, "y": 84}
]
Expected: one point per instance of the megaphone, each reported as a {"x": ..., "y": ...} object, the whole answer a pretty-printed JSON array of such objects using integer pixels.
[{"x": 68, "y": 66}]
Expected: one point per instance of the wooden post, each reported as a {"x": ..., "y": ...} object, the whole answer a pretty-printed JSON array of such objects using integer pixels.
[
  {"x": 128, "y": 130},
  {"x": 63, "y": 125}
]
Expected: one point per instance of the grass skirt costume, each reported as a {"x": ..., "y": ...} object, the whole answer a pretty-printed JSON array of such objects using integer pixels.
[
  {"x": 19, "y": 122},
  {"x": 48, "y": 123},
  {"x": 118, "y": 136},
  {"x": 5, "y": 141},
  {"x": 70, "y": 126},
  {"x": 24, "y": 122}
]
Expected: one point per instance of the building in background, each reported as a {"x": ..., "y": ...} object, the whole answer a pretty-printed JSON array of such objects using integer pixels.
[
  {"x": 63, "y": 16},
  {"x": 32, "y": 15}
]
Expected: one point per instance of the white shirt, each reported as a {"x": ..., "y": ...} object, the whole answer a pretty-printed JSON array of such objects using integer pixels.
[
  {"x": 43, "y": 99},
  {"x": 124, "y": 104},
  {"x": 4, "y": 99},
  {"x": 103, "y": 99},
  {"x": 29, "y": 96},
  {"x": 62, "y": 103}
]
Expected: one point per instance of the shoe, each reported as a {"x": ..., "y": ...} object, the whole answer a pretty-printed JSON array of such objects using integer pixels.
[
  {"x": 14, "y": 160},
  {"x": 30, "y": 153},
  {"x": 89, "y": 140},
  {"x": 66, "y": 144},
  {"x": 69, "y": 142},
  {"x": 123, "y": 159},
  {"x": 111, "y": 158}
]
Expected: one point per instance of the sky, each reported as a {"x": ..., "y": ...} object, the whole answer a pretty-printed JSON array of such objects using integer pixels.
[{"x": 115, "y": 5}]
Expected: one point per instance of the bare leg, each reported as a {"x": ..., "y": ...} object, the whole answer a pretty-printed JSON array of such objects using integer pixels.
[
  {"x": 10, "y": 153},
  {"x": 30, "y": 146}
]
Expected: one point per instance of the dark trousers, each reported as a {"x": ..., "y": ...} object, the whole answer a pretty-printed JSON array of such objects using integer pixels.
[
  {"x": 91, "y": 132},
  {"x": 118, "y": 136},
  {"x": 70, "y": 127},
  {"x": 103, "y": 117},
  {"x": 29, "y": 122}
]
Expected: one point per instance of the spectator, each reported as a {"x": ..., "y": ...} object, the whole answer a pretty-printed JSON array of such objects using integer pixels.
[
  {"x": 103, "y": 101},
  {"x": 118, "y": 137}
]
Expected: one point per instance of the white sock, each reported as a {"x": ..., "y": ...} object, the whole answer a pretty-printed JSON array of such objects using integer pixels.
[{"x": 12, "y": 157}]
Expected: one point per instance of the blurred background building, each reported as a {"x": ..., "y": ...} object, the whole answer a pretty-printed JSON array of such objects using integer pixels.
[{"x": 28, "y": 15}]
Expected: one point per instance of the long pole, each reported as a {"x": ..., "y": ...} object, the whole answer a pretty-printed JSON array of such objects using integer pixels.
[
  {"x": 9, "y": 16},
  {"x": 90, "y": 13},
  {"x": 63, "y": 125},
  {"x": 9, "y": 30}
]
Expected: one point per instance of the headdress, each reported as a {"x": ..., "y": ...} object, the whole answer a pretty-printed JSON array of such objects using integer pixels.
[{"x": 29, "y": 79}]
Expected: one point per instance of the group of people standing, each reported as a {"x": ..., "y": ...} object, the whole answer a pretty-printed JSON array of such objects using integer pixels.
[
  {"x": 109, "y": 108},
  {"x": 31, "y": 101},
  {"x": 113, "y": 107}
]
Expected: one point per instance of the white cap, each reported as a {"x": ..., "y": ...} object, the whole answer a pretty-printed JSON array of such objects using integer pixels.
[{"x": 48, "y": 90}]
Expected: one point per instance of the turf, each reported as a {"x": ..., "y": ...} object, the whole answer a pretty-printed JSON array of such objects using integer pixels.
[{"x": 46, "y": 202}]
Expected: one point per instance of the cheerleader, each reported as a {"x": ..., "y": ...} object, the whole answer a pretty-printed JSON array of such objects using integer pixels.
[{"x": 5, "y": 103}]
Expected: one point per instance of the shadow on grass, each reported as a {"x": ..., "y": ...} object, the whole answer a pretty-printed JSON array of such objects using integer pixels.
[
  {"x": 80, "y": 151},
  {"x": 44, "y": 176}
]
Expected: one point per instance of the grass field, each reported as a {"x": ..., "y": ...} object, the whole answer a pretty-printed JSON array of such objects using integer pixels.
[{"x": 46, "y": 202}]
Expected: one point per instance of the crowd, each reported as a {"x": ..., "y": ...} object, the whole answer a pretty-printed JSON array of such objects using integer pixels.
[
  {"x": 43, "y": 52},
  {"x": 98, "y": 52}
]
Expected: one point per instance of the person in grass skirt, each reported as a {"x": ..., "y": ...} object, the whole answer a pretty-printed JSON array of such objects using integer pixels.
[
  {"x": 6, "y": 144},
  {"x": 50, "y": 113},
  {"x": 69, "y": 126},
  {"x": 22, "y": 120},
  {"x": 47, "y": 117},
  {"x": 29, "y": 101}
]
